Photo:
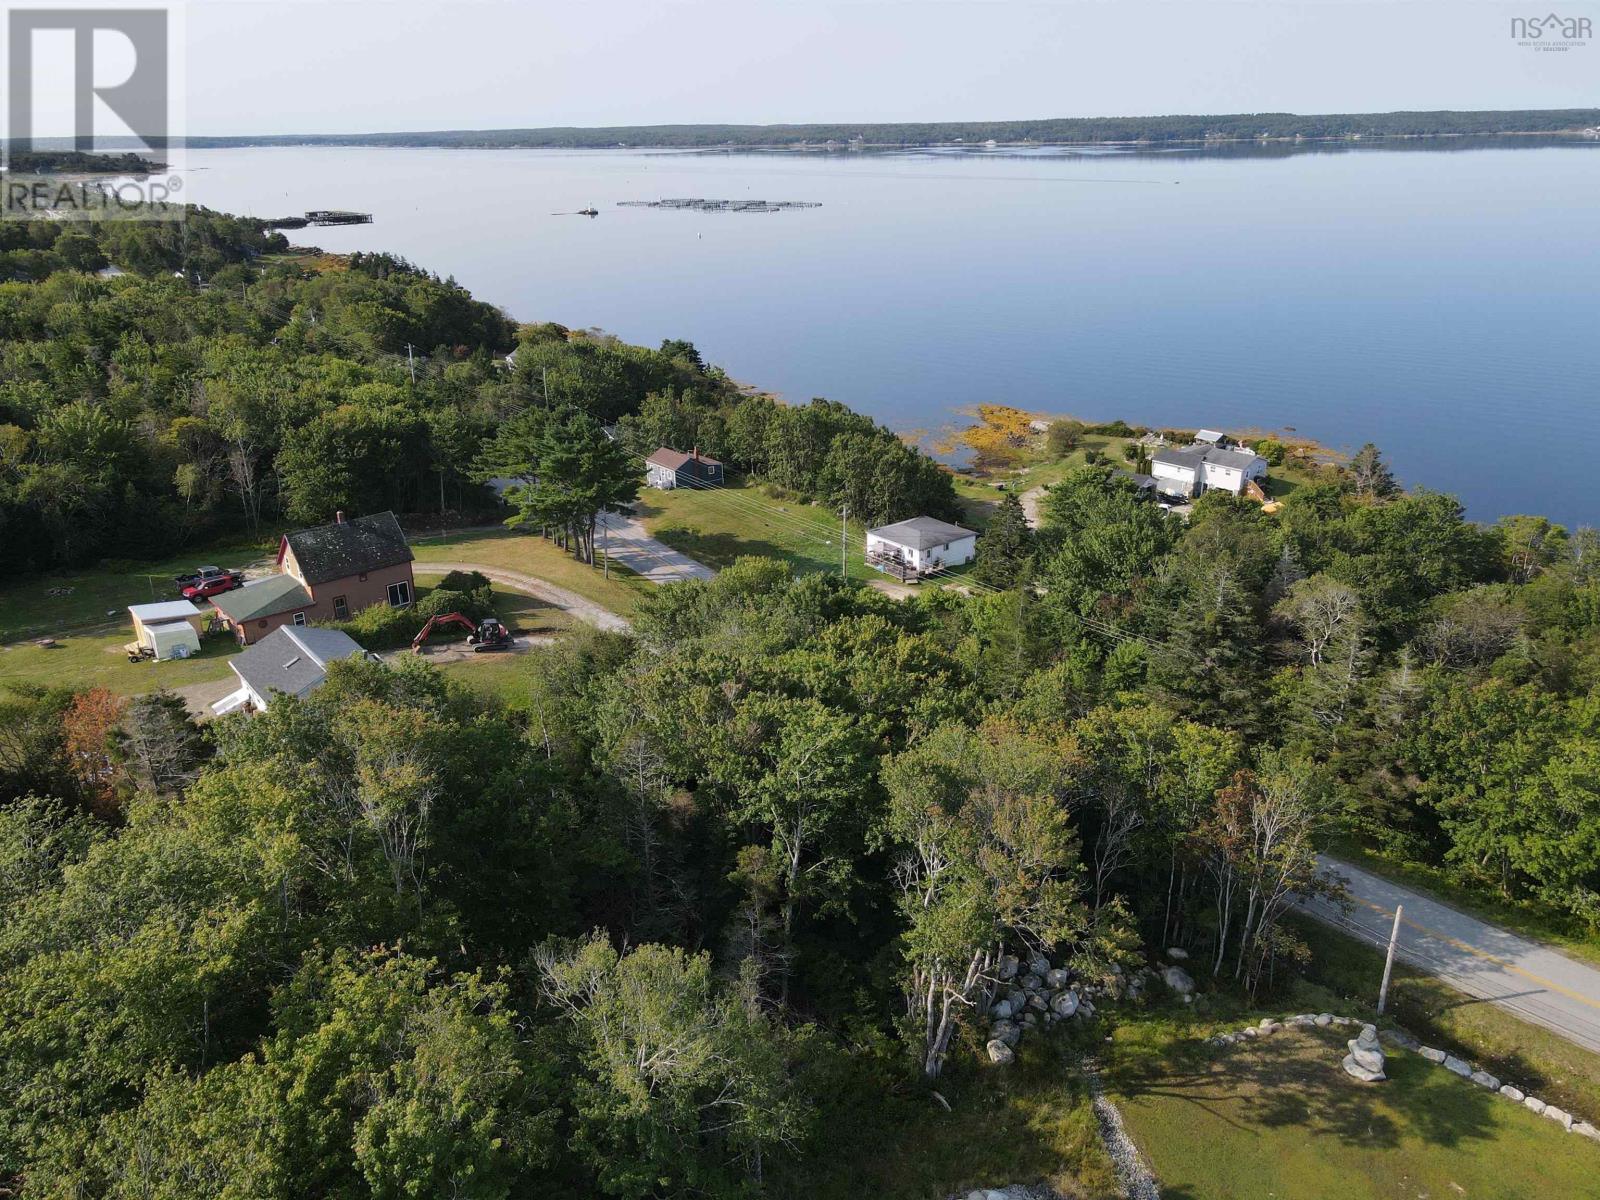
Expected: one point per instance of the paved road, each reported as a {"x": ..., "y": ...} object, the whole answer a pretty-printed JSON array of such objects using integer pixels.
[
  {"x": 628, "y": 543},
  {"x": 1527, "y": 978},
  {"x": 584, "y": 610}
]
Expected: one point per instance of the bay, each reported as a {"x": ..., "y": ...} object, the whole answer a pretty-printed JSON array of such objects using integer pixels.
[{"x": 1439, "y": 299}]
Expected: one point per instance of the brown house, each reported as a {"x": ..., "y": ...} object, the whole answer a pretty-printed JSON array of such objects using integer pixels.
[{"x": 326, "y": 573}]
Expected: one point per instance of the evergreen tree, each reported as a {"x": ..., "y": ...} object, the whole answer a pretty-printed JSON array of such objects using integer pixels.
[{"x": 1005, "y": 549}]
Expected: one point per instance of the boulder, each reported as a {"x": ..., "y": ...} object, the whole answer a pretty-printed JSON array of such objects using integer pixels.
[
  {"x": 1006, "y": 970},
  {"x": 1016, "y": 997},
  {"x": 1058, "y": 978},
  {"x": 1250, "y": 1031},
  {"x": 1584, "y": 1129},
  {"x": 1400, "y": 1038},
  {"x": 1533, "y": 1103},
  {"x": 1065, "y": 1004},
  {"x": 1031, "y": 982},
  {"x": 1030, "y": 1019},
  {"x": 1452, "y": 1063},
  {"x": 1365, "y": 1060},
  {"x": 1085, "y": 1009},
  {"x": 1001, "y": 1010},
  {"x": 1177, "y": 953},
  {"x": 1039, "y": 965},
  {"x": 1322, "y": 1020},
  {"x": 1485, "y": 1080},
  {"x": 1559, "y": 1115},
  {"x": 999, "y": 1053},
  {"x": 1178, "y": 980},
  {"x": 1036, "y": 1002},
  {"x": 1432, "y": 1055},
  {"x": 1512, "y": 1093},
  {"x": 1008, "y": 1032}
]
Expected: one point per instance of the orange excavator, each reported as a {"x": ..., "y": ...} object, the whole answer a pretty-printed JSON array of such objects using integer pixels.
[{"x": 487, "y": 634}]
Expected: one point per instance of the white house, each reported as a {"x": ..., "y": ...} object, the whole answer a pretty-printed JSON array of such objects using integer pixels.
[
  {"x": 1195, "y": 469},
  {"x": 291, "y": 660},
  {"x": 920, "y": 544}
]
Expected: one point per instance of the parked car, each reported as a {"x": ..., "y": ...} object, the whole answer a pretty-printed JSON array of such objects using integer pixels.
[{"x": 210, "y": 581}]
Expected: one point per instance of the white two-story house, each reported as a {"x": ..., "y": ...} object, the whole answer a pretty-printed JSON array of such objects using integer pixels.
[{"x": 1198, "y": 468}]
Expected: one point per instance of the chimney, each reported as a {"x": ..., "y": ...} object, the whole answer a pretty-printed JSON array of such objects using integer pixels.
[
  {"x": 338, "y": 517},
  {"x": 695, "y": 453}
]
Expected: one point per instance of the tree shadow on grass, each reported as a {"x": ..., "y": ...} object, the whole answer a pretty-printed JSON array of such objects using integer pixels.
[
  {"x": 721, "y": 549},
  {"x": 1293, "y": 1079}
]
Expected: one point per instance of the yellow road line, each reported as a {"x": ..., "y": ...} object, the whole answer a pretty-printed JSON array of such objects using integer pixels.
[{"x": 1485, "y": 955}]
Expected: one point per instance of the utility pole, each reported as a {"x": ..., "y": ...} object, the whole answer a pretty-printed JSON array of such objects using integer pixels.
[
  {"x": 1388, "y": 963},
  {"x": 412, "y": 364},
  {"x": 605, "y": 546},
  {"x": 844, "y": 542}
]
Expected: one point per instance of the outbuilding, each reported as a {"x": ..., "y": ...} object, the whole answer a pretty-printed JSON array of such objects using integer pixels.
[
  {"x": 919, "y": 545},
  {"x": 166, "y": 629}
]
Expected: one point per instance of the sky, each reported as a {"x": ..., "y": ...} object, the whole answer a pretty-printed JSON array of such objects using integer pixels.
[{"x": 314, "y": 66}]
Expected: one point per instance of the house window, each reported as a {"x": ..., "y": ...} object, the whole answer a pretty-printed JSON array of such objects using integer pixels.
[
  {"x": 363, "y": 577},
  {"x": 299, "y": 618},
  {"x": 341, "y": 610},
  {"x": 261, "y": 624},
  {"x": 399, "y": 594}
]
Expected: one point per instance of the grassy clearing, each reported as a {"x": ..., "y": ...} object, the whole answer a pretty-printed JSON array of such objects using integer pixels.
[
  {"x": 96, "y": 659},
  {"x": 1278, "y": 1118},
  {"x": 716, "y": 527},
  {"x": 1026, "y": 1123},
  {"x": 29, "y": 609},
  {"x": 532, "y": 555},
  {"x": 1344, "y": 975},
  {"x": 501, "y": 674},
  {"x": 1529, "y": 919}
]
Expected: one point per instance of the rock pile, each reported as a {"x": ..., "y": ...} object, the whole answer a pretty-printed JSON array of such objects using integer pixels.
[
  {"x": 1365, "y": 1060},
  {"x": 1033, "y": 994}
]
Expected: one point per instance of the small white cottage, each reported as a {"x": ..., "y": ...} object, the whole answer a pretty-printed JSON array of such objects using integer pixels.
[{"x": 920, "y": 544}]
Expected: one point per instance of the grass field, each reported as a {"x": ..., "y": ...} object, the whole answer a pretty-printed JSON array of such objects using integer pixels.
[
  {"x": 1278, "y": 1118},
  {"x": 96, "y": 659},
  {"x": 715, "y": 527},
  {"x": 532, "y": 555},
  {"x": 1344, "y": 976}
]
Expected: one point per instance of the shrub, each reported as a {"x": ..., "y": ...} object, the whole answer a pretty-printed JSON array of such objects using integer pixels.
[
  {"x": 463, "y": 581},
  {"x": 1061, "y": 438},
  {"x": 382, "y": 627},
  {"x": 1272, "y": 450}
]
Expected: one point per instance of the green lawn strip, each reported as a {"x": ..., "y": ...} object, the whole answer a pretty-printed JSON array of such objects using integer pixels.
[
  {"x": 1026, "y": 1123},
  {"x": 29, "y": 609},
  {"x": 720, "y": 525},
  {"x": 1529, "y": 919},
  {"x": 1343, "y": 977},
  {"x": 96, "y": 659},
  {"x": 1278, "y": 1118},
  {"x": 533, "y": 555}
]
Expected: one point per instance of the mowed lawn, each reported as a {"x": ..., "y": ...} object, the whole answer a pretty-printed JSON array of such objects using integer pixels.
[
  {"x": 720, "y": 525},
  {"x": 533, "y": 555},
  {"x": 1278, "y": 1118},
  {"x": 95, "y": 658}
]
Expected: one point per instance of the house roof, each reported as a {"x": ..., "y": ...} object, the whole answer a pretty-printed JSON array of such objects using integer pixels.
[
  {"x": 1208, "y": 435},
  {"x": 921, "y": 533},
  {"x": 262, "y": 598},
  {"x": 674, "y": 460},
  {"x": 292, "y": 660},
  {"x": 1139, "y": 480},
  {"x": 347, "y": 548},
  {"x": 1190, "y": 458},
  {"x": 163, "y": 610}
]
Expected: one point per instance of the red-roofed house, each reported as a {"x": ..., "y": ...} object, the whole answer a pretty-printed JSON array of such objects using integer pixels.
[{"x": 674, "y": 468}]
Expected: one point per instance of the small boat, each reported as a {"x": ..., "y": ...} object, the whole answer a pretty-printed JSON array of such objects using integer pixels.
[{"x": 588, "y": 212}]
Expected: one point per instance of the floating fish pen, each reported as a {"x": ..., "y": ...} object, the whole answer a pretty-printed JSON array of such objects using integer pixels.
[
  {"x": 698, "y": 205},
  {"x": 321, "y": 216}
]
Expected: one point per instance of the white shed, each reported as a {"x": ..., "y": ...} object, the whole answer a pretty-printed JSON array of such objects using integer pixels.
[
  {"x": 167, "y": 628},
  {"x": 920, "y": 544}
]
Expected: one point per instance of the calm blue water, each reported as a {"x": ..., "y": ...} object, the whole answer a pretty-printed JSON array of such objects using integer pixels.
[{"x": 1441, "y": 303}]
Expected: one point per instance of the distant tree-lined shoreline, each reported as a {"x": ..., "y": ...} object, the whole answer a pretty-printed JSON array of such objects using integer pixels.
[{"x": 1056, "y": 130}]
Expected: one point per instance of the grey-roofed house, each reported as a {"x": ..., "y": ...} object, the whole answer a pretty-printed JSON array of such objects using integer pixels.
[
  {"x": 919, "y": 545},
  {"x": 1190, "y": 470},
  {"x": 289, "y": 661},
  {"x": 668, "y": 469},
  {"x": 327, "y": 573}
]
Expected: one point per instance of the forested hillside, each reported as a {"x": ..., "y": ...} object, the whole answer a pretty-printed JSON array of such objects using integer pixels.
[
  {"x": 221, "y": 385},
  {"x": 710, "y": 904}
]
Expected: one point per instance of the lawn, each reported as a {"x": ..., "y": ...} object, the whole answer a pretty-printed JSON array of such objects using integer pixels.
[
  {"x": 1027, "y": 1123},
  {"x": 1344, "y": 975},
  {"x": 95, "y": 658},
  {"x": 500, "y": 674},
  {"x": 81, "y": 599},
  {"x": 533, "y": 555},
  {"x": 1278, "y": 1118},
  {"x": 717, "y": 526}
]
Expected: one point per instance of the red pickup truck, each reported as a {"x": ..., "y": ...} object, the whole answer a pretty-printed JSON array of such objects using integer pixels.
[{"x": 209, "y": 581}]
